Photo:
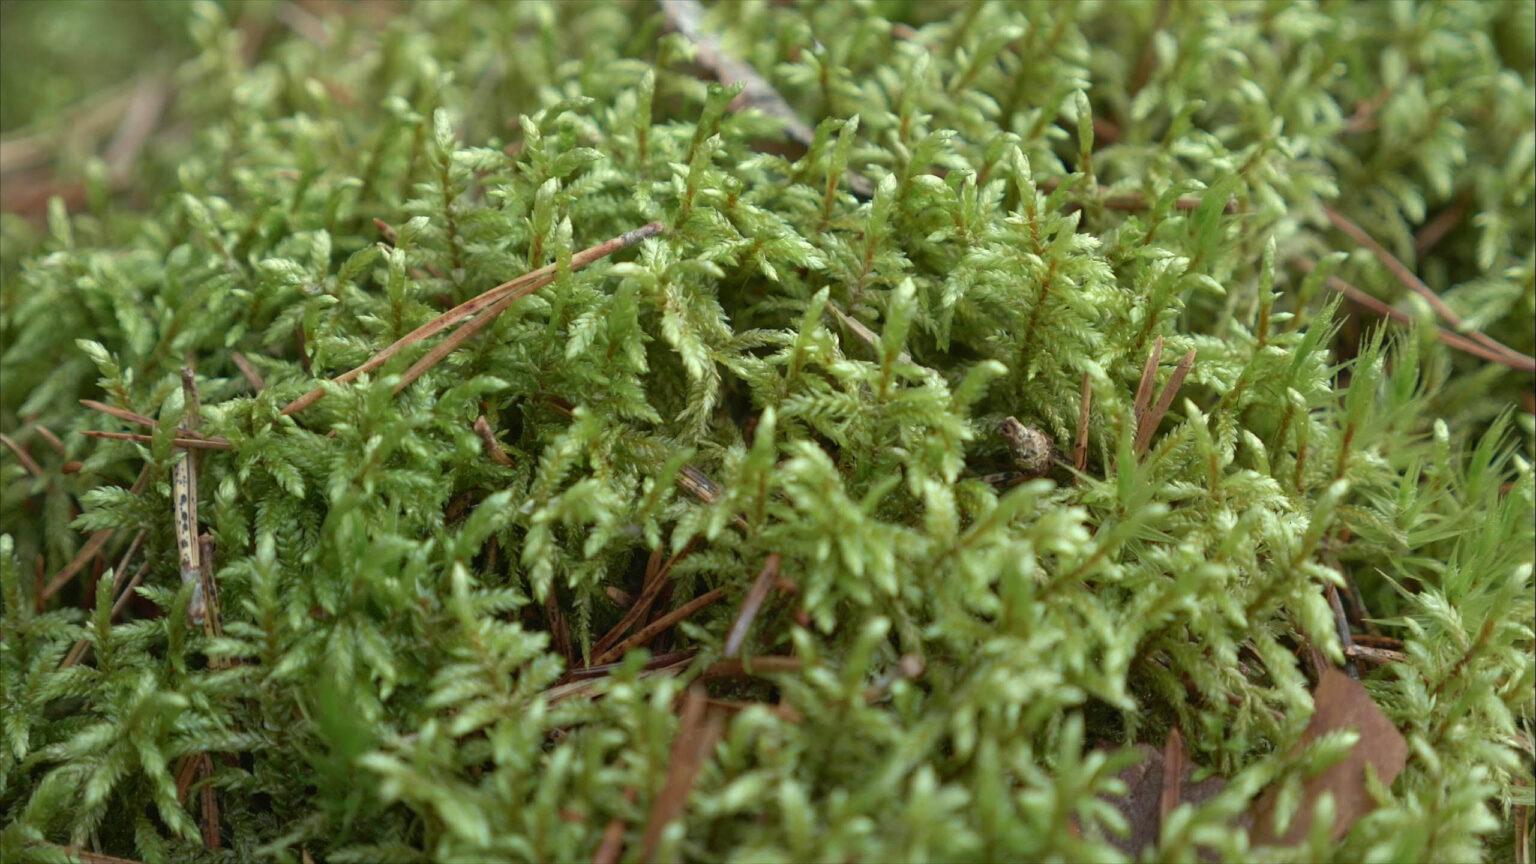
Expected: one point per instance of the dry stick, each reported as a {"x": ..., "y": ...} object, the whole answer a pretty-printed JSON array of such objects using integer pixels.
[
  {"x": 120, "y": 413},
  {"x": 1408, "y": 280},
  {"x": 750, "y": 605},
  {"x": 521, "y": 286},
  {"x": 463, "y": 334},
  {"x": 1080, "y": 452},
  {"x": 619, "y": 596},
  {"x": 252, "y": 376},
  {"x": 739, "y": 668},
  {"x": 696, "y": 736},
  {"x": 651, "y": 630},
  {"x": 1454, "y": 340},
  {"x": 493, "y": 448},
  {"x": 1378, "y": 656},
  {"x": 184, "y": 508},
  {"x": 91, "y": 547},
  {"x": 1155, "y": 416},
  {"x": 1173, "y": 775},
  {"x": 179, "y": 441},
  {"x": 23, "y": 456},
  {"x": 612, "y": 847},
  {"x": 656, "y": 576}
]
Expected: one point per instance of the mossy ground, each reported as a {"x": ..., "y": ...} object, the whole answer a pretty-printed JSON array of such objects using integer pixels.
[{"x": 1168, "y": 237}]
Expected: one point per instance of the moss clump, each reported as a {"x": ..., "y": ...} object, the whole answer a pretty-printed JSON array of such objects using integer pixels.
[{"x": 1004, "y": 211}]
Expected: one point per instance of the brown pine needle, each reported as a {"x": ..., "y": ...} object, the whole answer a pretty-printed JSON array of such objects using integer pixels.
[
  {"x": 1377, "y": 656},
  {"x": 81, "y": 646},
  {"x": 213, "y": 443},
  {"x": 46, "y": 434},
  {"x": 1148, "y": 378},
  {"x": 1519, "y": 363},
  {"x": 1173, "y": 775},
  {"x": 1155, "y": 416},
  {"x": 1408, "y": 280},
  {"x": 656, "y": 576},
  {"x": 1085, "y": 405},
  {"x": 119, "y": 413},
  {"x": 695, "y": 738},
  {"x": 521, "y": 286},
  {"x": 22, "y": 456},
  {"x": 750, "y": 667},
  {"x": 252, "y": 376},
  {"x": 750, "y": 605},
  {"x": 612, "y": 847},
  {"x": 655, "y": 628},
  {"x": 460, "y": 336}
]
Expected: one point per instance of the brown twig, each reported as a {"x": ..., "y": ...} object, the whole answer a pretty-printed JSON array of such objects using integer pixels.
[
  {"x": 1377, "y": 656},
  {"x": 252, "y": 376},
  {"x": 91, "y": 547},
  {"x": 22, "y": 456},
  {"x": 1341, "y": 624},
  {"x": 696, "y": 736},
  {"x": 1148, "y": 379},
  {"x": 1085, "y": 405},
  {"x": 184, "y": 507},
  {"x": 1429, "y": 236},
  {"x": 750, "y": 605},
  {"x": 612, "y": 846},
  {"x": 1454, "y": 340},
  {"x": 750, "y": 667},
  {"x": 1408, "y": 280},
  {"x": 53, "y": 440},
  {"x": 1173, "y": 775},
  {"x": 212, "y": 443},
  {"x": 656, "y": 574},
  {"x": 493, "y": 448},
  {"x": 514, "y": 288},
  {"x": 651, "y": 630}
]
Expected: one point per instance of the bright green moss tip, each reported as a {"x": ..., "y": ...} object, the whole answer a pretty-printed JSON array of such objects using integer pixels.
[{"x": 990, "y": 211}]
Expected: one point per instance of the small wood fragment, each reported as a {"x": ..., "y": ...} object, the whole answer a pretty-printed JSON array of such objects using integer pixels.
[
  {"x": 493, "y": 448},
  {"x": 22, "y": 456},
  {"x": 695, "y": 739},
  {"x": 1085, "y": 405},
  {"x": 1154, "y": 417},
  {"x": 650, "y": 631}
]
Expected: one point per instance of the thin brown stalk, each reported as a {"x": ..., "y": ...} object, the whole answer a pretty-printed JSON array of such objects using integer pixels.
[
  {"x": 1452, "y": 339},
  {"x": 77, "y": 651},
  {"x": 184, "y": 507},
  {"x": 22, "y": 456},
  {"x": 653, "y": 629},
  {"x": 91, "y": 547},
  {"x": 750, "y": 606},
  {"x": 656, "y": 576},
  {"x": 519, "y": 287},
  {"x": 1522, "y": 834},
  {"x": 612, "y": 846},
  {"x": 1408, "y": 280},
  {"x": 119, "y": 413},
  {"x": 560, "y": 633},
  {"x": 1376, "y": 656},
  {"x": 1376, "y": 640},
  {"x": 458, "y": 337},
  {"x": 1429, "y": 236},
  {"x": 1173, "y": 775},
  {"x": 47, "y": 435},
  {"x": 1155, "y": 416},
  {"x": 1341, "y": 624},
  {"x": 211, "y": 443},
  {"x": 695, "y": 739},
  {"x": 493, "y": 448},
  {"x": 1148, "y": 378},
  {"x": 1085, "y": 405},
  {"x": 252, "y": 376},
  {"x": 750, "y": 667}
]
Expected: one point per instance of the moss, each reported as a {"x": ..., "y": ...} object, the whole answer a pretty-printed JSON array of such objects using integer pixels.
[{"x": 1124, "y": 225}]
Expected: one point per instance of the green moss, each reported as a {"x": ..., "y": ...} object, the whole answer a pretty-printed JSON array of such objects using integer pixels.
[{"x": 1052, "y": 191}]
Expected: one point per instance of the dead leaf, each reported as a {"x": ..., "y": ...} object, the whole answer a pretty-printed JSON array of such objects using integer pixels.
[{"x": 1342, "y": 703}]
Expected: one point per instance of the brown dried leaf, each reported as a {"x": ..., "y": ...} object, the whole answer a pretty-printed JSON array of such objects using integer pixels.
[{"x": 1342, "y": 703}]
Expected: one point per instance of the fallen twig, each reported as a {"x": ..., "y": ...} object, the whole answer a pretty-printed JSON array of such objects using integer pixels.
[
  {"x": 1154, "y": 416},
  {"x": 22, "y": 456},
  {"x": 513, "y": 289},
  {"x": 1085, "y": 405},
  {"x": 750, "y": 605},
  {"x": 695, "y": 738},
  {"x": 651, "y": 630},
  {"x": 91, "y": 547},
  {"x": 1408, "y": 280},
  {"x": 252, "y": 376},
  {"x": 493, "y": 448}
]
